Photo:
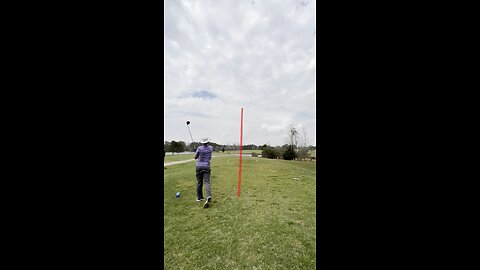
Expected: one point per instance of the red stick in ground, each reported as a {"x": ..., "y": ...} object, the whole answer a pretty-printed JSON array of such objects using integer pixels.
[{"x": 240, "y": 164}]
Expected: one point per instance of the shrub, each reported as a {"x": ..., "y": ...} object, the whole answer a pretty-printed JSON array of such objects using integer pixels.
[
  {"x": 269, "y": 152},
  {"x": 289, "y": 153},
  {"x": 302, "y": 153},
  {"x": 279, "y": 150}
]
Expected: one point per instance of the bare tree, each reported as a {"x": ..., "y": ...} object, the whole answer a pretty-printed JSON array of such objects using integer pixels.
[
  {"x": 293, "y": 136},
  {"x": 302, "y": 152},
  {"x": 304, "y": 137}
]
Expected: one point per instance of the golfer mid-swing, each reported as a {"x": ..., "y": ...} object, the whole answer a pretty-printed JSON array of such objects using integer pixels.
[{"x": 203, "y": 155}]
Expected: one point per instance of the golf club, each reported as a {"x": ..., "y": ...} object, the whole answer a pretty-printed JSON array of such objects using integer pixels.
[{"x": 188, "y": 123}]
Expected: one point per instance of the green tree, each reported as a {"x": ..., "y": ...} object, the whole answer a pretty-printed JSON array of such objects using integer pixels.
[
  {"x": 270, "y": 152},
  {"x": 172, "y": 146},
  {"x": 289, "y": 153},
  {"x": 176, "y": 147},
  {"x": 181, "y": 147}
]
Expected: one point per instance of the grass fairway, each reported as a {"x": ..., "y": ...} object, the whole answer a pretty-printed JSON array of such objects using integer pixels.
[
  {"x": 271, "y": 225},
  {"x": 177, "y": 157}
]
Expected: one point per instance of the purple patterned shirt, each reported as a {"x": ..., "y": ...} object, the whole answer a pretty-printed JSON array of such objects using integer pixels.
[{"x": 204, "y": 153}]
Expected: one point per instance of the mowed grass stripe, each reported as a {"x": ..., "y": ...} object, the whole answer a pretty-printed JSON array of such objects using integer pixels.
[
  {"x": 271, "y": 226},
  {"x": 180, "y": 157}
]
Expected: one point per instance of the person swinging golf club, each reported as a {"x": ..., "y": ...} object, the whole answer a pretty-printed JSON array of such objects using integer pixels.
[{"x": 203, "y": 155}]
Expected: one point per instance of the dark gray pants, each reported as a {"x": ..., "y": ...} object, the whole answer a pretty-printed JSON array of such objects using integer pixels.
[{"x": 203, "y": 175}]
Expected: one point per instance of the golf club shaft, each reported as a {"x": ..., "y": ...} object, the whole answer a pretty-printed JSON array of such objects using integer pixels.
[{"x": 190, "y": 133}]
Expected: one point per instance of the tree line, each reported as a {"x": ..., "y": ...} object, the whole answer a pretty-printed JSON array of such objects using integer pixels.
[
  {"x": 296, "y": 148},
  {"x": 181, "y": 146}
]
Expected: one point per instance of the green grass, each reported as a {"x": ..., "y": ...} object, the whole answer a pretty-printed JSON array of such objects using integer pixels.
[
  {"x": 271, "y": 225},
  {"x": 176, "y": 157}
]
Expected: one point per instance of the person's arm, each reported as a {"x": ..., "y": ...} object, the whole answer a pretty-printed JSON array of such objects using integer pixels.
[{"x": 196, "y": 154}]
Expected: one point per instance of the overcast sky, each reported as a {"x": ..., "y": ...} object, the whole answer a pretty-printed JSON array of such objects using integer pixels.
[{"x": 224, "y": 55}]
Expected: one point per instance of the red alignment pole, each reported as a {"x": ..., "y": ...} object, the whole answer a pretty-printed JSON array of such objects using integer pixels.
[{"x": 240, "y": 164}]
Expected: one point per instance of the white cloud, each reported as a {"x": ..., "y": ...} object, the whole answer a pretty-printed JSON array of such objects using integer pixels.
[{"x": 257, "y": 56}]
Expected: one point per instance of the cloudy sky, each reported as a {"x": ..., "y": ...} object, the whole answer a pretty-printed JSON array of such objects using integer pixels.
[{"x": 224, "y": 55}]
